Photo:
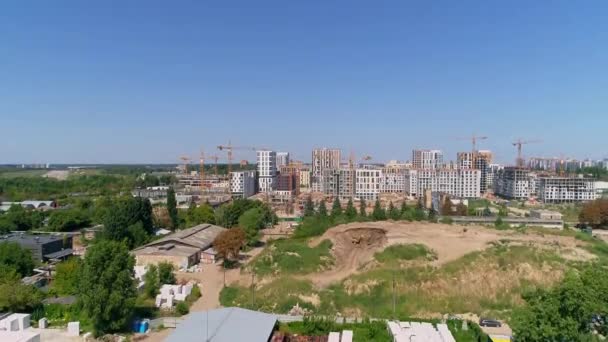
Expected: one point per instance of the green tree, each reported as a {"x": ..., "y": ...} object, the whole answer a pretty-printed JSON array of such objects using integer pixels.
[
  {"x": 68, "y": 220},
  {"x": 404, "y": 208},
  {"x": 165, "y": 273},
  {"x": 379, "y": 214},
  {"x": 567, "y": 311},
  {"x": 432, "y": 216},
  {"x": 393, "y": 213},
  {"x": 201, "y": 214},
  {"x": 350, "y": 212},
  {"x": 362, "y": 206},
  {"x": 122, "y": 218},
  {"x": 14, "y": 256},
  {"x": 106, "y": 288},
  {"x": 172, "y": 208},
  {"x": 16, "y": 296},
  {"x": 65, "y": 281},
  {"x": 336, "y": 208},
  {"x": 309, "y": 207},
  {"x": 251, "y": 222},
  {"x": 322, "y": 209},
  {"x": 229, "y": 243},
  {"x": 151, "y": 281}
]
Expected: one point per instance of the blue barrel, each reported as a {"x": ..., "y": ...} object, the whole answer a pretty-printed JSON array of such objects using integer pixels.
[
  {"x": 143, "y": 327},
  {"x": 135, "y": 326}
]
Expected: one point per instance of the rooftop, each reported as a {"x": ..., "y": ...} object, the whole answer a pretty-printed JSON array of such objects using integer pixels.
[
  {"x": 200, "y": 237},
  {"x": 224, "y": 325},
  {"x": 31, "y": 239}
]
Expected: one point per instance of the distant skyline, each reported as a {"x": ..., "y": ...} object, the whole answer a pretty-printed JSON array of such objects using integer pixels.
[{"x": 148, "y": 81}]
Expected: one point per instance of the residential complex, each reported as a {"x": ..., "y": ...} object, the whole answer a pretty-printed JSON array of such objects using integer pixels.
[
  {"x": 460, "y": 183},
  {"x": 367, "y": 183},
  {"x": 282, "y": 159}
]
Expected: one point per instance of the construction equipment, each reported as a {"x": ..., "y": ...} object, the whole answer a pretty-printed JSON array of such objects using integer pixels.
[
  {"x": 519, "y": 143},
  {"x": 474, "y": 138},
  {"x": 202, "y": 170},
  {"x": 229, "y": 148}
]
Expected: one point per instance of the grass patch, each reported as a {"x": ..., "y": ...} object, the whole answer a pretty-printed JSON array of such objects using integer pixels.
[
  {"x": 396, "y": 253},
  {"x": 364, "y": 331},
  {"x": 291, "y": 256}
]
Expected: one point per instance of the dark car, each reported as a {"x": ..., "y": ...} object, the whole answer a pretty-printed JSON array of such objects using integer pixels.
[{"x": 489, "y": 322}]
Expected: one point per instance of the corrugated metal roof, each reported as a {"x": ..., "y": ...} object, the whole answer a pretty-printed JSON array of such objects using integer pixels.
[
  {"x": 224, "y": 325},
  {"x": 200, "y": 236}
]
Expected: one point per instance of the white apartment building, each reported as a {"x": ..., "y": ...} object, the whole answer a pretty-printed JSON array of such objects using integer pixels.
[
  {"x": 458, "y": 183},
  {"x": 282, "y": 159},
  {"x": 393, "y": 179},
  {"x": 427, "y": 159},
  {"x": 367, "y": 183},
  {"x": 242, "y": 184},
  {"x": 566, "y": 189},
  {"x": 322, "y": 159},
  {"x": 267, "y": 170}
]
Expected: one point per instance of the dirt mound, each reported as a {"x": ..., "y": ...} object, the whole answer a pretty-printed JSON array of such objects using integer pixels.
[{"x": 354, "y": 244}]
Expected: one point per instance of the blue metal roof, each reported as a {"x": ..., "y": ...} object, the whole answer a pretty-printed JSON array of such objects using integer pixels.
[{"x": 225, "y": 325}]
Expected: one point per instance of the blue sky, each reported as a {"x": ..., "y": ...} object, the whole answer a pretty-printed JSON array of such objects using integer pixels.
[{"x": 147, "y": 81}]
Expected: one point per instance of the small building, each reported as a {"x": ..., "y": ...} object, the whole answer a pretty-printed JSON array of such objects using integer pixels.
[
  {"x": 44, "y": 247},
  {"x": 545, "y": 214},
  {"x": 183, "y": 248},
  {"x": 225, "y": 325}
]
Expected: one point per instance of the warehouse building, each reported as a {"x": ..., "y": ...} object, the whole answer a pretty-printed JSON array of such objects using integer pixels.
[
  {"x": 44, "y": 247},
  {"x": 183, "y": 248}
]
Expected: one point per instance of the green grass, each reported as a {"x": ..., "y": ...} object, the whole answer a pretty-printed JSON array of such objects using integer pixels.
[
  {"x": 290, "y": 256},
  {"x": 403, "y": 252},
  {"x": 482, "y": 282},
  {"x": 364, "y": 331}
]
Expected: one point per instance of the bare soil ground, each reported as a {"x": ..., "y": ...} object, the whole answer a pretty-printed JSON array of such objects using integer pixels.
[
  {"x": 57, "y": 174},
  {"x": 354, "y": 244}
]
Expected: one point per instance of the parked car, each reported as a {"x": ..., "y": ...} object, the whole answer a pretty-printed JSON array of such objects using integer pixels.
[{"x": 489, "y": 322}]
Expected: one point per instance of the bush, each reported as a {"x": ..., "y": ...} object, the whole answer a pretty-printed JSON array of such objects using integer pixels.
[
  {"x": 446, "y": 220},
  {"x": 228, "y": 295},
  {"x": 182, "y": 308}
]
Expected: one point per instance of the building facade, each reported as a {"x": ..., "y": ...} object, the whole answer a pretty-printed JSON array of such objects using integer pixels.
[
  {"x": 267, "y": 170},
  {"x": 322, "y": 159},
  {"x": 367, "y": 183},
  {"x": 458, "y": 183},
  {"x": 513, "y": 183},
  {"x": 392, "y": 180},
  {"x": 339, "y": 183},
  {"x": 566, "y": 189},
  {"x": 242, "y": 184},
  {"x": 427, "y": 159},
  {"x": 305, "y": 177},
  {"x": 282, "y": 159}
]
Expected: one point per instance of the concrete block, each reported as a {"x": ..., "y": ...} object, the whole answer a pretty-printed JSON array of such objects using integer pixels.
[
  {"x": 74, "y": 329},
  {"x": 88, "y": 337},
  {"x": 43, "y": 323},
  {"x": 159, "y": 300},
  {"x": 180, "y": 297}
]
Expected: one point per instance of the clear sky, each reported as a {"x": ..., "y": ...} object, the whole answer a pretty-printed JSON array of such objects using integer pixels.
[{"x": 147, "y": 81}]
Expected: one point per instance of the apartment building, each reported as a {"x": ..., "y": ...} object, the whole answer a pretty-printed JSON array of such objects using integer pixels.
[
  {"x": 322, "y": 159},
  {"x": 288, "y": 183},
  {"x": 339, "y": 182},
  {"x": 491, "y": 175},
  {"x": 393, "y": 179},
  {"x": 367, "y": 183},
  {"x": 566, "y": 189},
  {"x": 513, "y": 183},
  {"x": 427, "y": 159},
  {"x": 458, "y": 183},
  {"x": 267, "y": 170},
  {"x": 242, "y": 184},
  {"x": 282, "y": 159},
  {"x": 305, "y": 177},
  {"x": 411, "y": 182},
  {"x": 481, "y": 161}
]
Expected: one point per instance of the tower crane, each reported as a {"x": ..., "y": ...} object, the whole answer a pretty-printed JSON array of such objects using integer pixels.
[
  {"x": 519, "y": 143},
  {"x": 474, "y": 138},
  {"x": 229, "y": 148},
  {"x": 185, "y": 160}
]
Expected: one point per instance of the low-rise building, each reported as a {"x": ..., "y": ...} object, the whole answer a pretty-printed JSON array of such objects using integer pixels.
[
  {"x": 183, "y": 248},
  {"x": 43, "y": 247},
  {"x": 546, "y": 214}
]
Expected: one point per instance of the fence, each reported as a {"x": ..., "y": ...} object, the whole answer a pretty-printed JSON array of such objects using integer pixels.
[{"x": 167, "y": 322}]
